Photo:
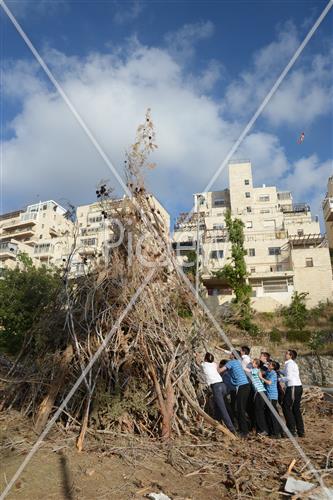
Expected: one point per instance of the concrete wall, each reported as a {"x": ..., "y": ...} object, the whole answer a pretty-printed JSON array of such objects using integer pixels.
[{"x": 316, "y": 280}]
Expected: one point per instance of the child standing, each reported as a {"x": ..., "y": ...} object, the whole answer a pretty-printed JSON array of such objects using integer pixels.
[
  {"x": 273, "y": 395},
  {"x": 258, "y": 401}
]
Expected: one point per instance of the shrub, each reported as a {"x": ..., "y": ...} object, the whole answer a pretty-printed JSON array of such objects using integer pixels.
[
  {"x": 275, "y": 336},
  {"x": 296, "y": 315},
  {"x": 298, "y": 336}
]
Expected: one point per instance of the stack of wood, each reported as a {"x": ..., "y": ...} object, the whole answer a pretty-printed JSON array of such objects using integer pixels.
[{"x": 145, "y": 379}]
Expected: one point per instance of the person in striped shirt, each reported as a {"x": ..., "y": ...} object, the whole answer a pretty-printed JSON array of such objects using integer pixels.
[
  {"x": 271, "y": 377},
  {"x": 258, "y": 381}
]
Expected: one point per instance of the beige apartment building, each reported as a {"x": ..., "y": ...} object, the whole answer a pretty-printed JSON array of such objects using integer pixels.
[
  {"x": 285, "y": 249},
  {"x": 328, "y": 212},
  {"x": 44, "y": 233},
  {"x": 40, "y": 230},
  {"x": 94, "y": 230}
]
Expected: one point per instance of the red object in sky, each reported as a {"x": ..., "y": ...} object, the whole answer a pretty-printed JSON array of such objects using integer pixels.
[{"x": 301, "y": 138}]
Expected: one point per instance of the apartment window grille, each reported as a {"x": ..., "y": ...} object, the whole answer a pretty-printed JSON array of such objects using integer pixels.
[
  {"x": 252, "y": 252},
  {"x": 98, "y": 218},
  {"x": 248, "y": 209},
  {"x": 216, "y": 254},
  {"x": 248, "y": 224},
  {"x": 274, "y": 251},
  {"x": 264, "y": 197},
  {"x": 246, "y": 182},
  {"x": 89, "y": 241},
  {"x": 300, "y": 232},
  {"x": 247, "y": 194},
  {"x": 275, "y": 286},
  {"x": 309, "y": 262}
]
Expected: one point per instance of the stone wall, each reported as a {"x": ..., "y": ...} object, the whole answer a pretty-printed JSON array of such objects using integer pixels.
[{"x": 311, "y": 372}]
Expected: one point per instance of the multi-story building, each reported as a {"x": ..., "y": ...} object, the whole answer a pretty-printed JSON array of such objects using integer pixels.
[
  {"x": 285, "y": 249},
  {"x": 328, "y": 212},
  {"x": 95, "y": 224},
  {"x": 44, "y": 233},
  {"x": 41, "y": 231}
]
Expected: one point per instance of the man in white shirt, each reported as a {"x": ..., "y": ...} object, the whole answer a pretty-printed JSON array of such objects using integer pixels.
[
  {"x": 292, "y": 399},
  {"x": 214, "y": 380}
]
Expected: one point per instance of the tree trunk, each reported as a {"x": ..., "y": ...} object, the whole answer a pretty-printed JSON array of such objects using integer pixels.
[{"x": 47, "y": 404}]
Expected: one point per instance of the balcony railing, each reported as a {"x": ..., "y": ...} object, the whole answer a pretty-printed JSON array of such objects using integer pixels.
[
  {"x": 328, "y": 209},
  {"x": 295, "y": 208}
]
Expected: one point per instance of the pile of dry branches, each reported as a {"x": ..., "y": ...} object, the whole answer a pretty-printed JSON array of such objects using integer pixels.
[{"x": 144, "y": 381}]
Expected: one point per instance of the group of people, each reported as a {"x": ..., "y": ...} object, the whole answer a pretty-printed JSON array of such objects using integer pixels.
[{"x": 247, "y": 392}]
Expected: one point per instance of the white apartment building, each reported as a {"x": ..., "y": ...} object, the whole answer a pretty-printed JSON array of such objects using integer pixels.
[
  {"x": 44, "y": 233},
  {"x": 285, "y": 249},
  {"x": 40, "y": 230},
  {"x": 94, "y": 230}
]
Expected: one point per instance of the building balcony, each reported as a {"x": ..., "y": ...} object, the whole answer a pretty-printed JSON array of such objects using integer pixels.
[
  {"x": 8, "y": 250},
  {"x": 19, "y": 233},
  {"x": 295, "y": 208},
  {"x": 328, "y": 209},
  {"x": 20, "y": 223}
]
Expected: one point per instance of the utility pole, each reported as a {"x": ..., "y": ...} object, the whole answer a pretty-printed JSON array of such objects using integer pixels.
[{"x": 200, "y": 197}]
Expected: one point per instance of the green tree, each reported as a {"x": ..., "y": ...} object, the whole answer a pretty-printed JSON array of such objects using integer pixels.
[
  {"x": 296, "y": 314},
  {"x": 25, "y": 292},
  {"x": 235, "y": 273},
  {"x": 191, "y": 258}
]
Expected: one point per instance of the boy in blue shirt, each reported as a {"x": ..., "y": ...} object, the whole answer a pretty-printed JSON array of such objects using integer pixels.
[
  {"x": 240, "y": 381},
  {"x": 259, "y": 402},
  {"x": 273, "y": 395}
]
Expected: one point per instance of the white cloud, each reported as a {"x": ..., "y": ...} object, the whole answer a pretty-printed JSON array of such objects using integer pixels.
[
  {"x": 181, "y": 43},
  {"x": 304, "y": 95},
  {"x": 24, "y": 8},
  {"x": 128, "y": 11}
]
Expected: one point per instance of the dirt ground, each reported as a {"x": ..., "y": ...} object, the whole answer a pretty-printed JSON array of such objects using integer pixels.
[{"x": 119, "y": 467}]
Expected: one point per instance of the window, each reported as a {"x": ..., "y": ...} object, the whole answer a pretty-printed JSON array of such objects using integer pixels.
[
  {"x": 277, "y": 268},
  {"x": 248, "y": 209},
  {"x": 275, "y": 286},
  {"x": 97, "y": 218},
  {"x": 309, "y": 262},
  {"x": 216, "y": 254},
  {"x": 264, "y": 197},
  {"x": 274, "y": 251},
  {"x": 248, "y": 224},
  {"x": 247, "y": 195},
  {"x": 251, "y": 252},
  {"x": 42, "y": 226},
  {"x": 300, "y": 232},
  {"x": 246, "y": 182},
  {"x": 252, "y": 270},
  {"x": 44, "y": 215},
  {"x": 89, "y": 241},
  {"x": 269, "y": 223},
  {"x": 218, "y": 226},
  {"x": 219, "y": 239},
  {"x": 219, "y": 202},
  {"x": 265, "y": 211},
  {"x": 40, "y": 236}
]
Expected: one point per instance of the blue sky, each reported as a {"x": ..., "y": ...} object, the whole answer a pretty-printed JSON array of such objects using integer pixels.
[{"x": 202, "y": 67}]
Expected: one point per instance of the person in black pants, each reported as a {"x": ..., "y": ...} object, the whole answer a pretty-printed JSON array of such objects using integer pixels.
[
  {"x": 292, "y": 399},
  {"x": 240, "y": 381}
]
